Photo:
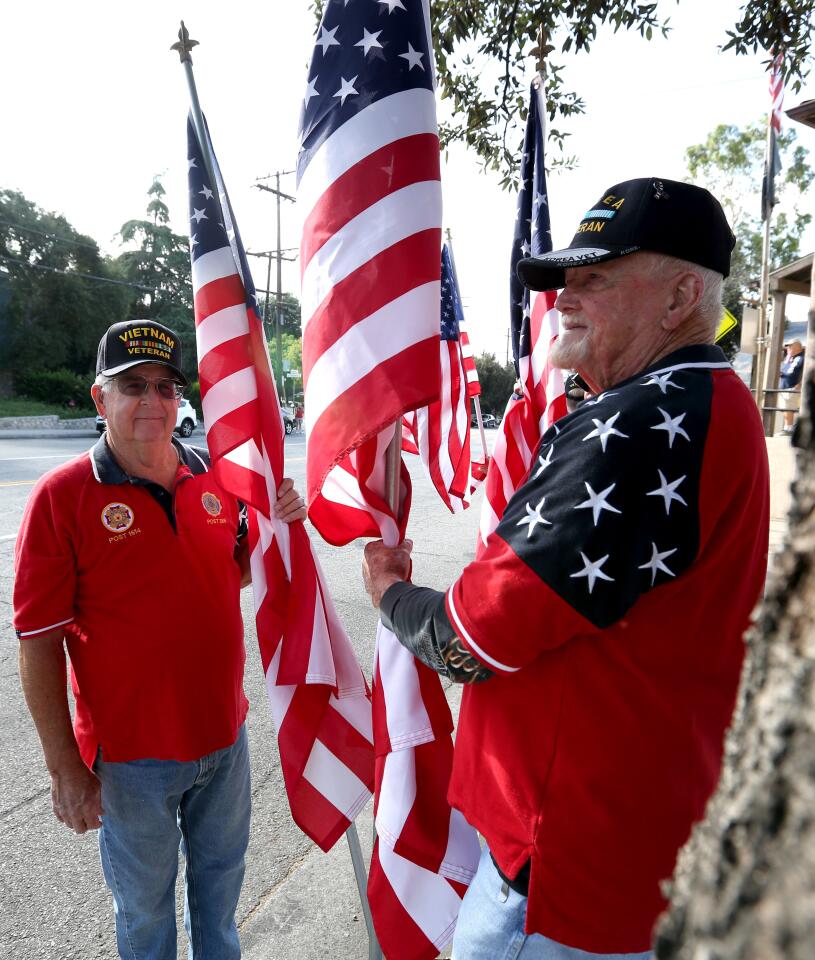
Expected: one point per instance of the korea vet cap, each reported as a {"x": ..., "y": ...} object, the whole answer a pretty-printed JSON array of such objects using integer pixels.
[
  {"x": 132, "y": 342},
  {"x": 663, "y": 216}
]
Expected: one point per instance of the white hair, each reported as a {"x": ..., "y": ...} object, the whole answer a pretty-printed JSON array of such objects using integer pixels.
[{"x": 710, "y": 304}]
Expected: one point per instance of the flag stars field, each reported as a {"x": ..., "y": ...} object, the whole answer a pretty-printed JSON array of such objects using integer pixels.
[{"x": 663, "y": 382}]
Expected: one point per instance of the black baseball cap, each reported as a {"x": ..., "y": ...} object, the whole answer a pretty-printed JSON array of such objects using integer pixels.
[
  {"x": 661, "y": 216},
  {"x": 132, "y": 342}
]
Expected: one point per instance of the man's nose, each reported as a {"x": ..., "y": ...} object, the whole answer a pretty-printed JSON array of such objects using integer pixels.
[{"x": 566, "y": 301}]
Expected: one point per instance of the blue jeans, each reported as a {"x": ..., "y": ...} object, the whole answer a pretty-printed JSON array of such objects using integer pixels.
[
  {"x": 150, "y": 806},
  {"x": 491, "y": 925}
]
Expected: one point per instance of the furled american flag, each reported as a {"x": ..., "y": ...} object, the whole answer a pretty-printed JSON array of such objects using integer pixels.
[
  {"x": 534, "y": 325},
  {"x": 317, "y": 692},
  {"x": 772, "y": 161},
  {"x": 368, "y": 186},
  {"x": 441, "y": 430}
]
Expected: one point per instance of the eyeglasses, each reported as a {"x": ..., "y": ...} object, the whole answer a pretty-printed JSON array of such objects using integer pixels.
[{"x": 138, "y": 386}]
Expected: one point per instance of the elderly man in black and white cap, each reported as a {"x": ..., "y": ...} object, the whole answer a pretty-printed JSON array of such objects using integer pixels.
[
  {"x": 599, "y": 634},
  {"x": 132, "y": 556}
]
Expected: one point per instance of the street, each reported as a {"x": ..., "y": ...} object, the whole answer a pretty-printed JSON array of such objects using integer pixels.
[{"x": 296, "y": 901}]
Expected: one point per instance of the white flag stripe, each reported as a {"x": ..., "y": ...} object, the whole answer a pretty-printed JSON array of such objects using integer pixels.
[
  {"x": 320, "y": 660},
  {"x": 393, "y": 218},
  {"x": 463, "y": 851},
  {"x": 392, "y": 118},
  {"x": 211, "y": 266},
  {"x": 427, "y": 897},
  {"x": 279, "y": 696},
  {"x": 220, "y": 327},
  {"x": 357, "y": 711},
  {"x": 408, "y": 722},
  {"x": 228, "y": 394},
  {"x": 260, "y": 585},
  {"x": 366, "y": 345},
  {"x": 330, "y": 777},
  {"x": 397, "y": 794}
]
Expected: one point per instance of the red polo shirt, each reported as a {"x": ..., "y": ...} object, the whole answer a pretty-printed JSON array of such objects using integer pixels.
[
  {"x": 147, "y": 589},
  {"x": 610, "y": 604}
]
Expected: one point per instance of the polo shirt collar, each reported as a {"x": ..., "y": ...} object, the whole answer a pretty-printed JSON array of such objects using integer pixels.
[{"x": 107, "y": 470}]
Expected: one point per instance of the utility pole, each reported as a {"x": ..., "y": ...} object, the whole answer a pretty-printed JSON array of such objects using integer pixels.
[{"x": 279, "y": 257}]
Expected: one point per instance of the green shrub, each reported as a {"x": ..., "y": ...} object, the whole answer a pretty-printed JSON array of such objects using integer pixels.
[
  {"x": 193, "y": 394},
  {"x": 61, "y": 388}
]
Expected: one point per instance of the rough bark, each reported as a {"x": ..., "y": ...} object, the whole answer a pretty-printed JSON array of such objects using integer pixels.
[{"x": 744, "y": 886}]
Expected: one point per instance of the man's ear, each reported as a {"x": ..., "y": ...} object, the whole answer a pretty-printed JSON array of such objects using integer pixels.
[
  {"x": 686, "y": 291},
  {"x": 98, "y": 396}
]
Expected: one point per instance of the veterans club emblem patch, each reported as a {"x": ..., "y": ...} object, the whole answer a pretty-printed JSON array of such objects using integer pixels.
[
  {"x": 117, "y": 517},
  {"x": 211, "y": 504}
]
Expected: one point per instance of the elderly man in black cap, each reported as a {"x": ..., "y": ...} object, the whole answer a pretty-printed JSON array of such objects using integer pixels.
[
  {"x": 599, "y": 635},
  {"x": 132, "y": 556}
]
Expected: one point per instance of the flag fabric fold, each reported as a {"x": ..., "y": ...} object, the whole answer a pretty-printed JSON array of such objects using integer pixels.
[
  {"x": 534, "y": 326},
  {"x": 317, "y": 692},
  {"x": 772, "y": 160},
  {"x": 440, "y": 432},
  {"x": 369, "y": 190}
]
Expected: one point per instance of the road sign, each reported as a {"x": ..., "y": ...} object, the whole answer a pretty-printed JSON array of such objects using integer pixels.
[{"x": 726, "y": 324}]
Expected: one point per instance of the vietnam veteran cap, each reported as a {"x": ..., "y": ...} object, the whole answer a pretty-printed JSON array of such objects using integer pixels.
[
  {"x": 663, "y": 216},
  {"x": 132, "y": 342}
]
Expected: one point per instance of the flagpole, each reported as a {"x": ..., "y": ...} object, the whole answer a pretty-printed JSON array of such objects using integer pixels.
[
  {"x": 184, "y": 49},
  {"x": 761, "y": 333},
  {"x": 476, "y": 399}
]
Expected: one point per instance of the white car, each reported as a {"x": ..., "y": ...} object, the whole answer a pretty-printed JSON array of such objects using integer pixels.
[{"x": 185, "y": 421}]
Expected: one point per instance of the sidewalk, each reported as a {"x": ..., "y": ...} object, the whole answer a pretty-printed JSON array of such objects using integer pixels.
[{"x": 781, "y": 455}]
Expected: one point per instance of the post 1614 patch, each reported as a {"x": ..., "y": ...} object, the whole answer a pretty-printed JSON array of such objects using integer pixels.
[
  {"x": 117, "y": 517},
  {"x": 211, "y": 504}
]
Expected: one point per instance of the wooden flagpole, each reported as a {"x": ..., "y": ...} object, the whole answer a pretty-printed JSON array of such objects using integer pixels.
[
  {"x": 184, "y": 49},
  {"x": 761, "y": 333}
]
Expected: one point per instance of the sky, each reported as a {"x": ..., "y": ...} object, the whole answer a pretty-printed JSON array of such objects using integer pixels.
[{"x": 96, "y": 104}]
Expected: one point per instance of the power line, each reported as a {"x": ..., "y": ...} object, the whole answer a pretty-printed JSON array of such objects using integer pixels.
[
  {"x": 50, "y": 236},
  {"x": 74, "y": 273}
]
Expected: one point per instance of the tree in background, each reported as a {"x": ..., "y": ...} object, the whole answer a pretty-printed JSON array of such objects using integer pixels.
[
  {"x": 160, "y": 261},
  {"x": 290, "y": 312},
  {"x": 292, "y": 350},
  {"x": 53, "y": 318},
  {"x": 496, "y": 381},
  {"x": 490, "y": 41},
  {"x": 730, "y": 163}
]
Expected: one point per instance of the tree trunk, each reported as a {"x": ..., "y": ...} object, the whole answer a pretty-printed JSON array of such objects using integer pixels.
[{"x": 744, "y": 887}]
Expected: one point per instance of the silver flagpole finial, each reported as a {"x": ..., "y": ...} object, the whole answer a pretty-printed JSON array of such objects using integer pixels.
[{"x": 184, "y": 45}]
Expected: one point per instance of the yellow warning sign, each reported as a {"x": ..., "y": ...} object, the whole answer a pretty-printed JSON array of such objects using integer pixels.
[{"x": 726, "y": 324}]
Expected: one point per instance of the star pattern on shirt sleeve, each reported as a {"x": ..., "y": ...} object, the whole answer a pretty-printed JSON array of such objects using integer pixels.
[
  {"x": 533, "y": 518},
  {"x": 603, "y": 429},
  {"x": 671, "y": 425},
  {"x": 592, "y": 571},
  {"x": 610, "y": 510},
  {"x": 667, "y": 490},
  {"x": 656, "y": 564}
]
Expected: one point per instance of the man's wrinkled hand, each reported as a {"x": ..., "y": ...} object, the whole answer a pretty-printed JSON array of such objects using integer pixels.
[
  {"x": 76, "y": 798},
  {"x": 289, "y": 506},
  {"x": 383, "y": 566}
]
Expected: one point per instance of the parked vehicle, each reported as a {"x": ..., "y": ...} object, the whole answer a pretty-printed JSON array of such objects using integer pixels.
[
  {"x": 490, "y": 422},
  {"x": 185, "y": 420}
]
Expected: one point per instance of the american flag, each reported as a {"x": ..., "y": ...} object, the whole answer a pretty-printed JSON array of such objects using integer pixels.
[
  {"x": 440, "y": 432},
  {"x": 368, "y": 186},
  {"x": 772, "y": 161},
  {"x": 317, "y": 692},
  {"x": 534, "y": 325}
]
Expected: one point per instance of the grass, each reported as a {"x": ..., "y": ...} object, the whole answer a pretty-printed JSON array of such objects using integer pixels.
[{"x": 23, "y": 407}]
